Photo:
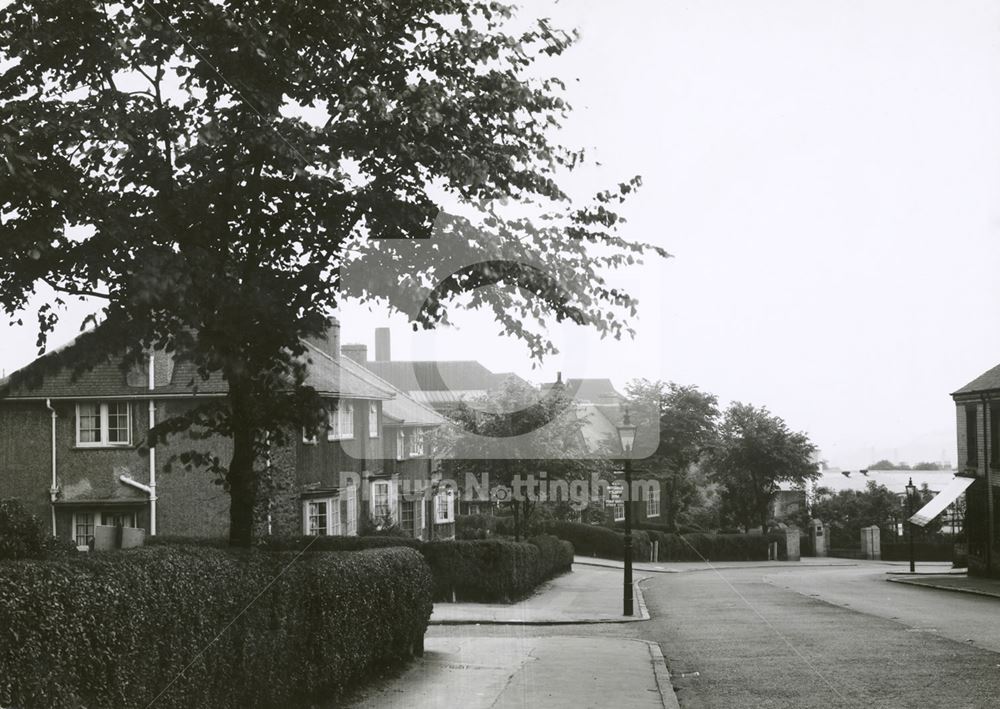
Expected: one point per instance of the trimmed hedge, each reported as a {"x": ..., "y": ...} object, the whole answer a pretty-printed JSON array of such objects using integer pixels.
[
  {"x": 486, "y": 571},
  {"x": 191, "y": 626},
  {"x": 23, "y": 535},
  {"x": 489, "y": 570},
  {"x": 593, "y": 540},
  {"x": 475, "y": 526}
]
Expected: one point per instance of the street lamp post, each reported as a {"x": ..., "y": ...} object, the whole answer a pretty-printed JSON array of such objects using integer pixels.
[
  {"x": 911, "y": 490},
  {"x": 626, "y": 433}
]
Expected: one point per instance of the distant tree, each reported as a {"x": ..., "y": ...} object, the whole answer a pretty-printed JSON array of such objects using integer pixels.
[
  {"x": 929, "y": 466},
  {"x": 883, "y": 465},
  {"x": 688, "y": 420},
  {"x": 513, "y": 432},
  {"x": 847, "y": 511},
  {"x": 756, "y": 451}
]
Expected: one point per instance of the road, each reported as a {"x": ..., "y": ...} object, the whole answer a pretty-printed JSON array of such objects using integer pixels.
[{"x": 822, "y": 637}]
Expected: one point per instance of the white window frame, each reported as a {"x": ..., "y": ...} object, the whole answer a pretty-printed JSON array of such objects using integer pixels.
[
  {"x": 103, "y": 427},
  {"x": 653, "y": 503},
  {"x": 307, "y": 438},
  {"x": 372, "y": 419},
  {"x": 400, "y": 444},
  {"x": 351, "y": 511},
  {"x": 619, "y": 511},
  {"x": 341, "y": 421},
  {"x": 376, "y": 510},
  {"x": 449, "y": 511},
  {"x": 416, "y": 444},
  {"x": 332, "y": 505}
]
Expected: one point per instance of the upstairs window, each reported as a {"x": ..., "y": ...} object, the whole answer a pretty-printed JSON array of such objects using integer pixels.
[
  {"x": 416, "y": 443},
  {"x": 103, "y": 424},
  {"x": 400, "y": 445},
  {"x": 972, "y": 435},
  {"x": 372, "y": 419},
  {"x": 341, "y": 422}
]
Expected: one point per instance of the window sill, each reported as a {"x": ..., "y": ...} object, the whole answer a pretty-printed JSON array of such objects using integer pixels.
[
  {"x": 102, "y": 446},
  {"x": 340, "y": 438}
]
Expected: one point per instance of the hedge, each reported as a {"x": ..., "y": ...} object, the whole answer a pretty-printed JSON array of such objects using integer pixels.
[
  {"x": 489, "y": 570},
  {"x": 593, "y": 540},
  {"x": 475, "y": 526},
  {"x": 199, "y": 627},
  {"x": 493, "y": 570},
  {"x": 24, "y": 536},
  {"x": 922, "y": 551}
]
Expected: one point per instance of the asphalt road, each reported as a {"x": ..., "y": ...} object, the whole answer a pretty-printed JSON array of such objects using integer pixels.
[{"x": 748, "y": 638}]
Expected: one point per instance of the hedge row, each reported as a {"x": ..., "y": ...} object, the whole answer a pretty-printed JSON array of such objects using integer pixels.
[
  {"x": 490, "y": 570},
  {"x": 475, "y": 526},
  {"x": 593, "y": 540},
  {"x": 922, "y": 551},
  {"x": 198, "y": 627}
]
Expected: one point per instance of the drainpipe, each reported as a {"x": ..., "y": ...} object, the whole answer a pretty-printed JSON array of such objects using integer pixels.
[
  {"x": 152, "y": 454},
  {"x": 989, "y": 490},
  {"x": 54, "y": 488}
]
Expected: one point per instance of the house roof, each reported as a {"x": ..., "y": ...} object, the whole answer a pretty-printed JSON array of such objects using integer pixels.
[
  {"x": 593, "y": 391},
  {"x": 402, "y": 409},
  {"x": 52, "y": 376},
  {"x": 459, "y": 376},
  {"x": 987, "y": 381}
]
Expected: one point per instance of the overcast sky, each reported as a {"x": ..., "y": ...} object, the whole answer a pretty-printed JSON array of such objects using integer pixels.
[{"x": 827, "y": 176}]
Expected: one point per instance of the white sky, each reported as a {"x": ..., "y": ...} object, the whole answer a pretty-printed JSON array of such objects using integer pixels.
[{"x": 827, "y": 176}]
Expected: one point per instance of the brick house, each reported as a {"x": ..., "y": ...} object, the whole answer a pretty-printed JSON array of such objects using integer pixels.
[
  {"x": 70, "y": 451},
  {"x": 977, "y": 426}
]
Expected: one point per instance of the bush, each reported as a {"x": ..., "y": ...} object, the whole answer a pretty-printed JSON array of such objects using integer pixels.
[
  {"x": 475, "y": 526},
  {"x": 591, "y": 540},
  {"x": 198, "y": 627},
  {"x": 292, "y": 543},
  {"x": 494, "y": 570},
  {"x": 922, "y": 551},
  {"x": 24, "y": 536}
]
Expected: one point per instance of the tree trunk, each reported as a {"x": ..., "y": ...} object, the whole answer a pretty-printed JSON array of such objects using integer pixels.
[{"x": 242, "y": 486}]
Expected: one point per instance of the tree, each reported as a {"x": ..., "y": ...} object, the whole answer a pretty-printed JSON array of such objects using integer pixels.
[
  {"x": 514, "y": 433},
  {"x": 755, "y": 452},
  {"x": 883, "y": 465},
  {"x": 924, "y": 465},
  {"x": 687, "y": 429},
  {"x": 847, "y": 511},
  {"x": 201, "y": 171}
]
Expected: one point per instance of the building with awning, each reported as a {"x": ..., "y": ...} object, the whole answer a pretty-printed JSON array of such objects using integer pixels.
[{"x": 951, "y": 492}]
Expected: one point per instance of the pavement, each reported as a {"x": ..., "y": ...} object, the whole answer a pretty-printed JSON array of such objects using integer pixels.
[
  {"x": 676, "y": 567},
  {"x": 588, "y": 594},
  {"x": 959, "y": 582},
  {"x": 505, "y": 672}
]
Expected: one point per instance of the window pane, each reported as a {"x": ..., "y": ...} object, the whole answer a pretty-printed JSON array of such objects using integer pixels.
[
  {"x": 317, "y": 518},
  {"x": 118, "y": 428},
  {"x": 380, "y": 499},
  {"x": 373, "y": 419},
  {"x": 406, "y": 516},
  {"x": 90, "y": 423},
  {"x": 333, "y": 422},
  {"x": 84, "y": 528},
  {"x": 346, "y": 415}
]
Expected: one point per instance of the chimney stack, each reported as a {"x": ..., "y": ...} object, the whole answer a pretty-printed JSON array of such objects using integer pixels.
[
  {"x": 383, "y": 351},
  {"x": 329, "y": 341},
  {"x": 358, "y": 353}
]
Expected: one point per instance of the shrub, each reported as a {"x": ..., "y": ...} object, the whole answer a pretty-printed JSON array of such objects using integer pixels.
[
  {"x": 475, "y": 526},
  {"x": 490, "y": 570},
  {"x": 591, "y": 540},
  {"x": 292, "y": 543},
  {"x": 23, "y": 536},
  {"x": 190, "y": 626},
  {"x": 922, "y": 551}
]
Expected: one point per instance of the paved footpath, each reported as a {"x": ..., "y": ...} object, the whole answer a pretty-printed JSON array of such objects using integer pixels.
[{"x": 527, "y": 665}]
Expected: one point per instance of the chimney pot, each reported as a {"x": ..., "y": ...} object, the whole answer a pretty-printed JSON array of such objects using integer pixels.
[{"x": 383, "y": 347}]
